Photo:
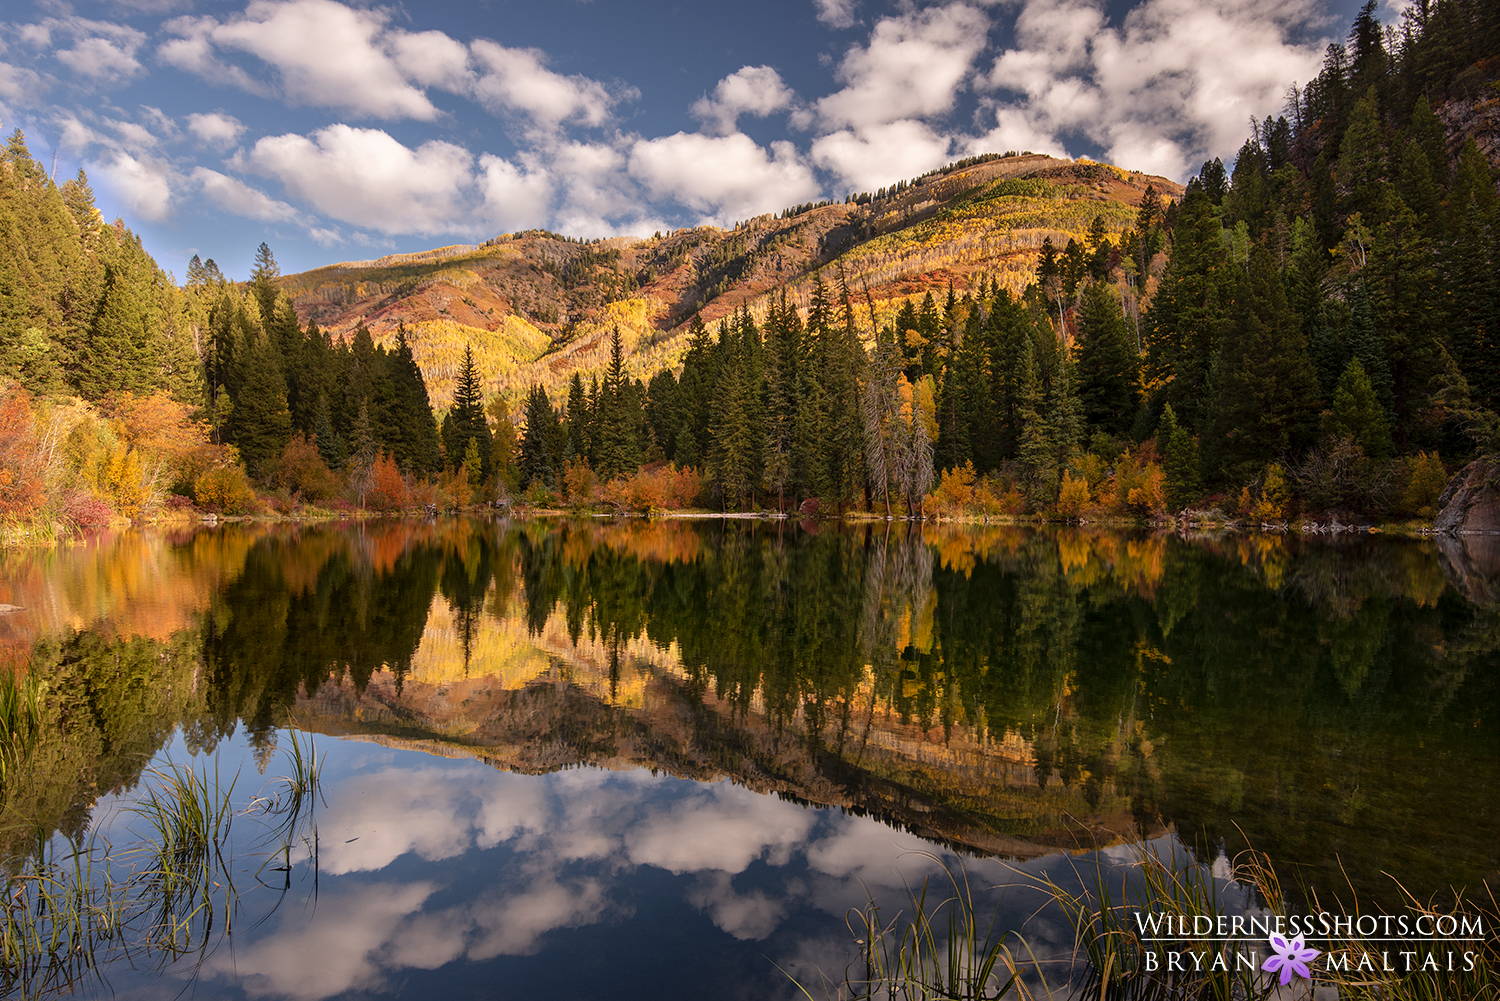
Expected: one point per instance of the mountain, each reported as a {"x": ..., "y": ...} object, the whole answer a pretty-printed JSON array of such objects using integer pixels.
[{"x": 537, "y": 306}]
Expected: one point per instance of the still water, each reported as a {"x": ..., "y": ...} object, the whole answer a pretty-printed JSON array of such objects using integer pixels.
[{"x": 595, "y": 759}]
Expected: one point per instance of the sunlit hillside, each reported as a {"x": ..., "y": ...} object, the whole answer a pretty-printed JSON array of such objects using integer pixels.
[{"x": 537, "y": 307}]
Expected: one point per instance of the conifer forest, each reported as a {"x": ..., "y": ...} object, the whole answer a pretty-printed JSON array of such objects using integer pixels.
[{"x": 1311, "y": 330}]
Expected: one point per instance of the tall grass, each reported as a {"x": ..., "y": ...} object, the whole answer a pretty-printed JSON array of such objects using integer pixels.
[
  {"x": 70, "y": 910},
  {"x": 940, "y": 949},
  {"x": 20, "y": 720}
]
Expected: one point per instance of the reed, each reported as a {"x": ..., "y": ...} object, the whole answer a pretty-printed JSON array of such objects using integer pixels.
[
  {"x": 20, "y": 720},
  {"x": 943, "y": 950},
  {"x": 68, "y": 911}
]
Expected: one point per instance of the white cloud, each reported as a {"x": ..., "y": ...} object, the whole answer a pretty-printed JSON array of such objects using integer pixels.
[
  {"x": 433, "y": 59},
  {"x": 308, "y": 960},
  {"x": 101, "y": 52},
  {"x": 1158, "y": 92},
  {"x": 877, "y": 155},
  {"x": 19, "y": 84},
  {"x": 235, "y": 196},
  {"x": 835, "y": 13},
  {"x": 327, "y": 55},
  {"x": 514, "y": 199},
  {"x": 215, "y": 129},
  {"x": 911, "y": 68},
  {"x": 748, "y": 917},
  {"x": 367, "y": 178},
  {"x": 192, "y": 50},
  {"x": 723, "y": 178},
  {"x": 1015, "y": 129},
  {"x": 518, "y": 80},
  {"x": 753, "y": 90},
  {"x": 142, "y": 184}
]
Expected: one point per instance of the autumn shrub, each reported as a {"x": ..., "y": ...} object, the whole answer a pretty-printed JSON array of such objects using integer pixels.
[
  {"x": 953, "y": 494},
  {"x": 1073, "y": 497},
  {"x": 658, "y": 488},
  {"x": 302, "y": 471},
  {"x": 84, "y": 511},
  {"x": 1271, "y": 499},
  {"x": 1422, "y": 481},
  {"x": 386, "y": 490},
  {"x": 580, "y": 485},
  {"x": 225, "y": 490},
  {"x": 21, "y": 464},
  {"x": 1139, "y": 486},
  {"x": 538, "y": 494}
]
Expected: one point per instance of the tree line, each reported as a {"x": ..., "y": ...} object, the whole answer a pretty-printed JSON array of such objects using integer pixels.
[{"x": 1314, "y": 328}]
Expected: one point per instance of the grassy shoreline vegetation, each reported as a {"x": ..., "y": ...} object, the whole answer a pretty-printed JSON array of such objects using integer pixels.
[
  {"x": 1310, "y": 334},
  {"x": 939, "y": 944}
]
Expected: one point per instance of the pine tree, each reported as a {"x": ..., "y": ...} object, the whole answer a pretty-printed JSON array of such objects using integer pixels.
[
  {"x": 466, "y": 420},
  {"x": 261, "y": 423},
  {"x": 537, "y": 463},
  {"x": 1357, "y": 413},
  {"x": 617, "y": 446},
  {"x": 1265, "y": 391},
  {"x": 416, "y": 445},
  {"x": 1108, "y": 365}
]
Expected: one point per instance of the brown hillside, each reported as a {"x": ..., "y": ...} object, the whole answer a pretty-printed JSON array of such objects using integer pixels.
[{"x": 537, "y": 306}]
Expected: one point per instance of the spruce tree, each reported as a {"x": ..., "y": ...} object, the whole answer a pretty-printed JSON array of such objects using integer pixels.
[
  {"x": 261, "y": 423},
  {"x": 466, "y": 419},
  {"x": 1108, "y": 365}
]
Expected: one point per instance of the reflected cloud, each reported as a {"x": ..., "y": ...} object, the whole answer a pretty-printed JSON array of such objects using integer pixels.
[
  {"x": 749, "y": 917},
  {"x": 307, "y": 959}
]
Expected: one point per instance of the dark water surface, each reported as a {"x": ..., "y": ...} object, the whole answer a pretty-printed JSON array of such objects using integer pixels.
[{"x": 587, "y": 760}]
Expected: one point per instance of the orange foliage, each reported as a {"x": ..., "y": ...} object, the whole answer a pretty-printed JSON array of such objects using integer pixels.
[
  {"x": 579, "y": 483},
  {"x": 664, "y": 488},
  {"x": 20, "y": 456},
  {"x": 1073, "y": 499},
  {"x": 387, "y": 491},
  {"x": 301, "y": 470}
]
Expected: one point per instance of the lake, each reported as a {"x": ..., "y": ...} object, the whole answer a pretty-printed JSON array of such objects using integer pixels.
[{"x": 645, "y": 759}]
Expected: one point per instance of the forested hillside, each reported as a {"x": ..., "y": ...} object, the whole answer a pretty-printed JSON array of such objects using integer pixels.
[{"x": 1312, "y": 330}]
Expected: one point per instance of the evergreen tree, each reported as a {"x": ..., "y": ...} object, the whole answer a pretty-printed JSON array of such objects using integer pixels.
[
  {"x": 1264, "y": 387},
  {"x": 1108, "y": 365},
  {"x": 415, "y": 440},
  {"x": 1357, "y": 414},
  {"x": 617, "y": 445},
  {"x": 537, "y": 463},
  {"x": 466, "y": 420},
  {"x": 261, "y": 423}
]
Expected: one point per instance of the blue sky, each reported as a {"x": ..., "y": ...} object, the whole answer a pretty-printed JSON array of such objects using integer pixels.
[{"x": 337, "y": 130}]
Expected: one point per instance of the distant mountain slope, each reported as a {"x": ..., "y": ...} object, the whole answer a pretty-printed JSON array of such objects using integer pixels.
[{"x": 537, "y": 307}]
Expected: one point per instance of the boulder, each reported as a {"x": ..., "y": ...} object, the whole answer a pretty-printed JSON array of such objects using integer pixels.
[{"x": 1470, "y": 504}]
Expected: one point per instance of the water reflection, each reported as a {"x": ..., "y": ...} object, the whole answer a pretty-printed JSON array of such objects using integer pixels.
[{"x": 997, "y": 690}]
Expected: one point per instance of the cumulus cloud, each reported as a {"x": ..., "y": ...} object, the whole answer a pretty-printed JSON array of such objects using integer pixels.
[
  {"x": 235, "y": 196},
  {"x": 432, "y": 59},
  {"x": 514, "y": 199},
  {"x": 327, "y": 55},
  {"x": 142, "y": 184},
  {"x": 191, "y": 49},
  {"x": 835, "y": 13},
  {"x": 911, "y": 68},
  {"x": 752, "y": 90},
  {"x": 724, "y": 178},
  {"x": 367, "y": 178},
  {"x": 518, "y": 80},
  {"x": 100, "y": 52},
  {"x": 874, "y": 155},
  {"x": 1157, "y": 91},
  {"x": 215, "y": 129}
]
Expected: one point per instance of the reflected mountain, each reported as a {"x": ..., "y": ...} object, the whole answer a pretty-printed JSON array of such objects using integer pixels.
[{"x": 998, "y": 690}]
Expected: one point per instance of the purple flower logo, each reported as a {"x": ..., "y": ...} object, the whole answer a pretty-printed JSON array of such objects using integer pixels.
[{"x": 1291, "y": 957}]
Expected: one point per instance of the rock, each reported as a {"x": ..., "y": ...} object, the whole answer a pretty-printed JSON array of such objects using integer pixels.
[
  {"x": 1472, "y": 565},
  {"x": 1468, "y": 521},
  {"x": 1470, "y": 504}
]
